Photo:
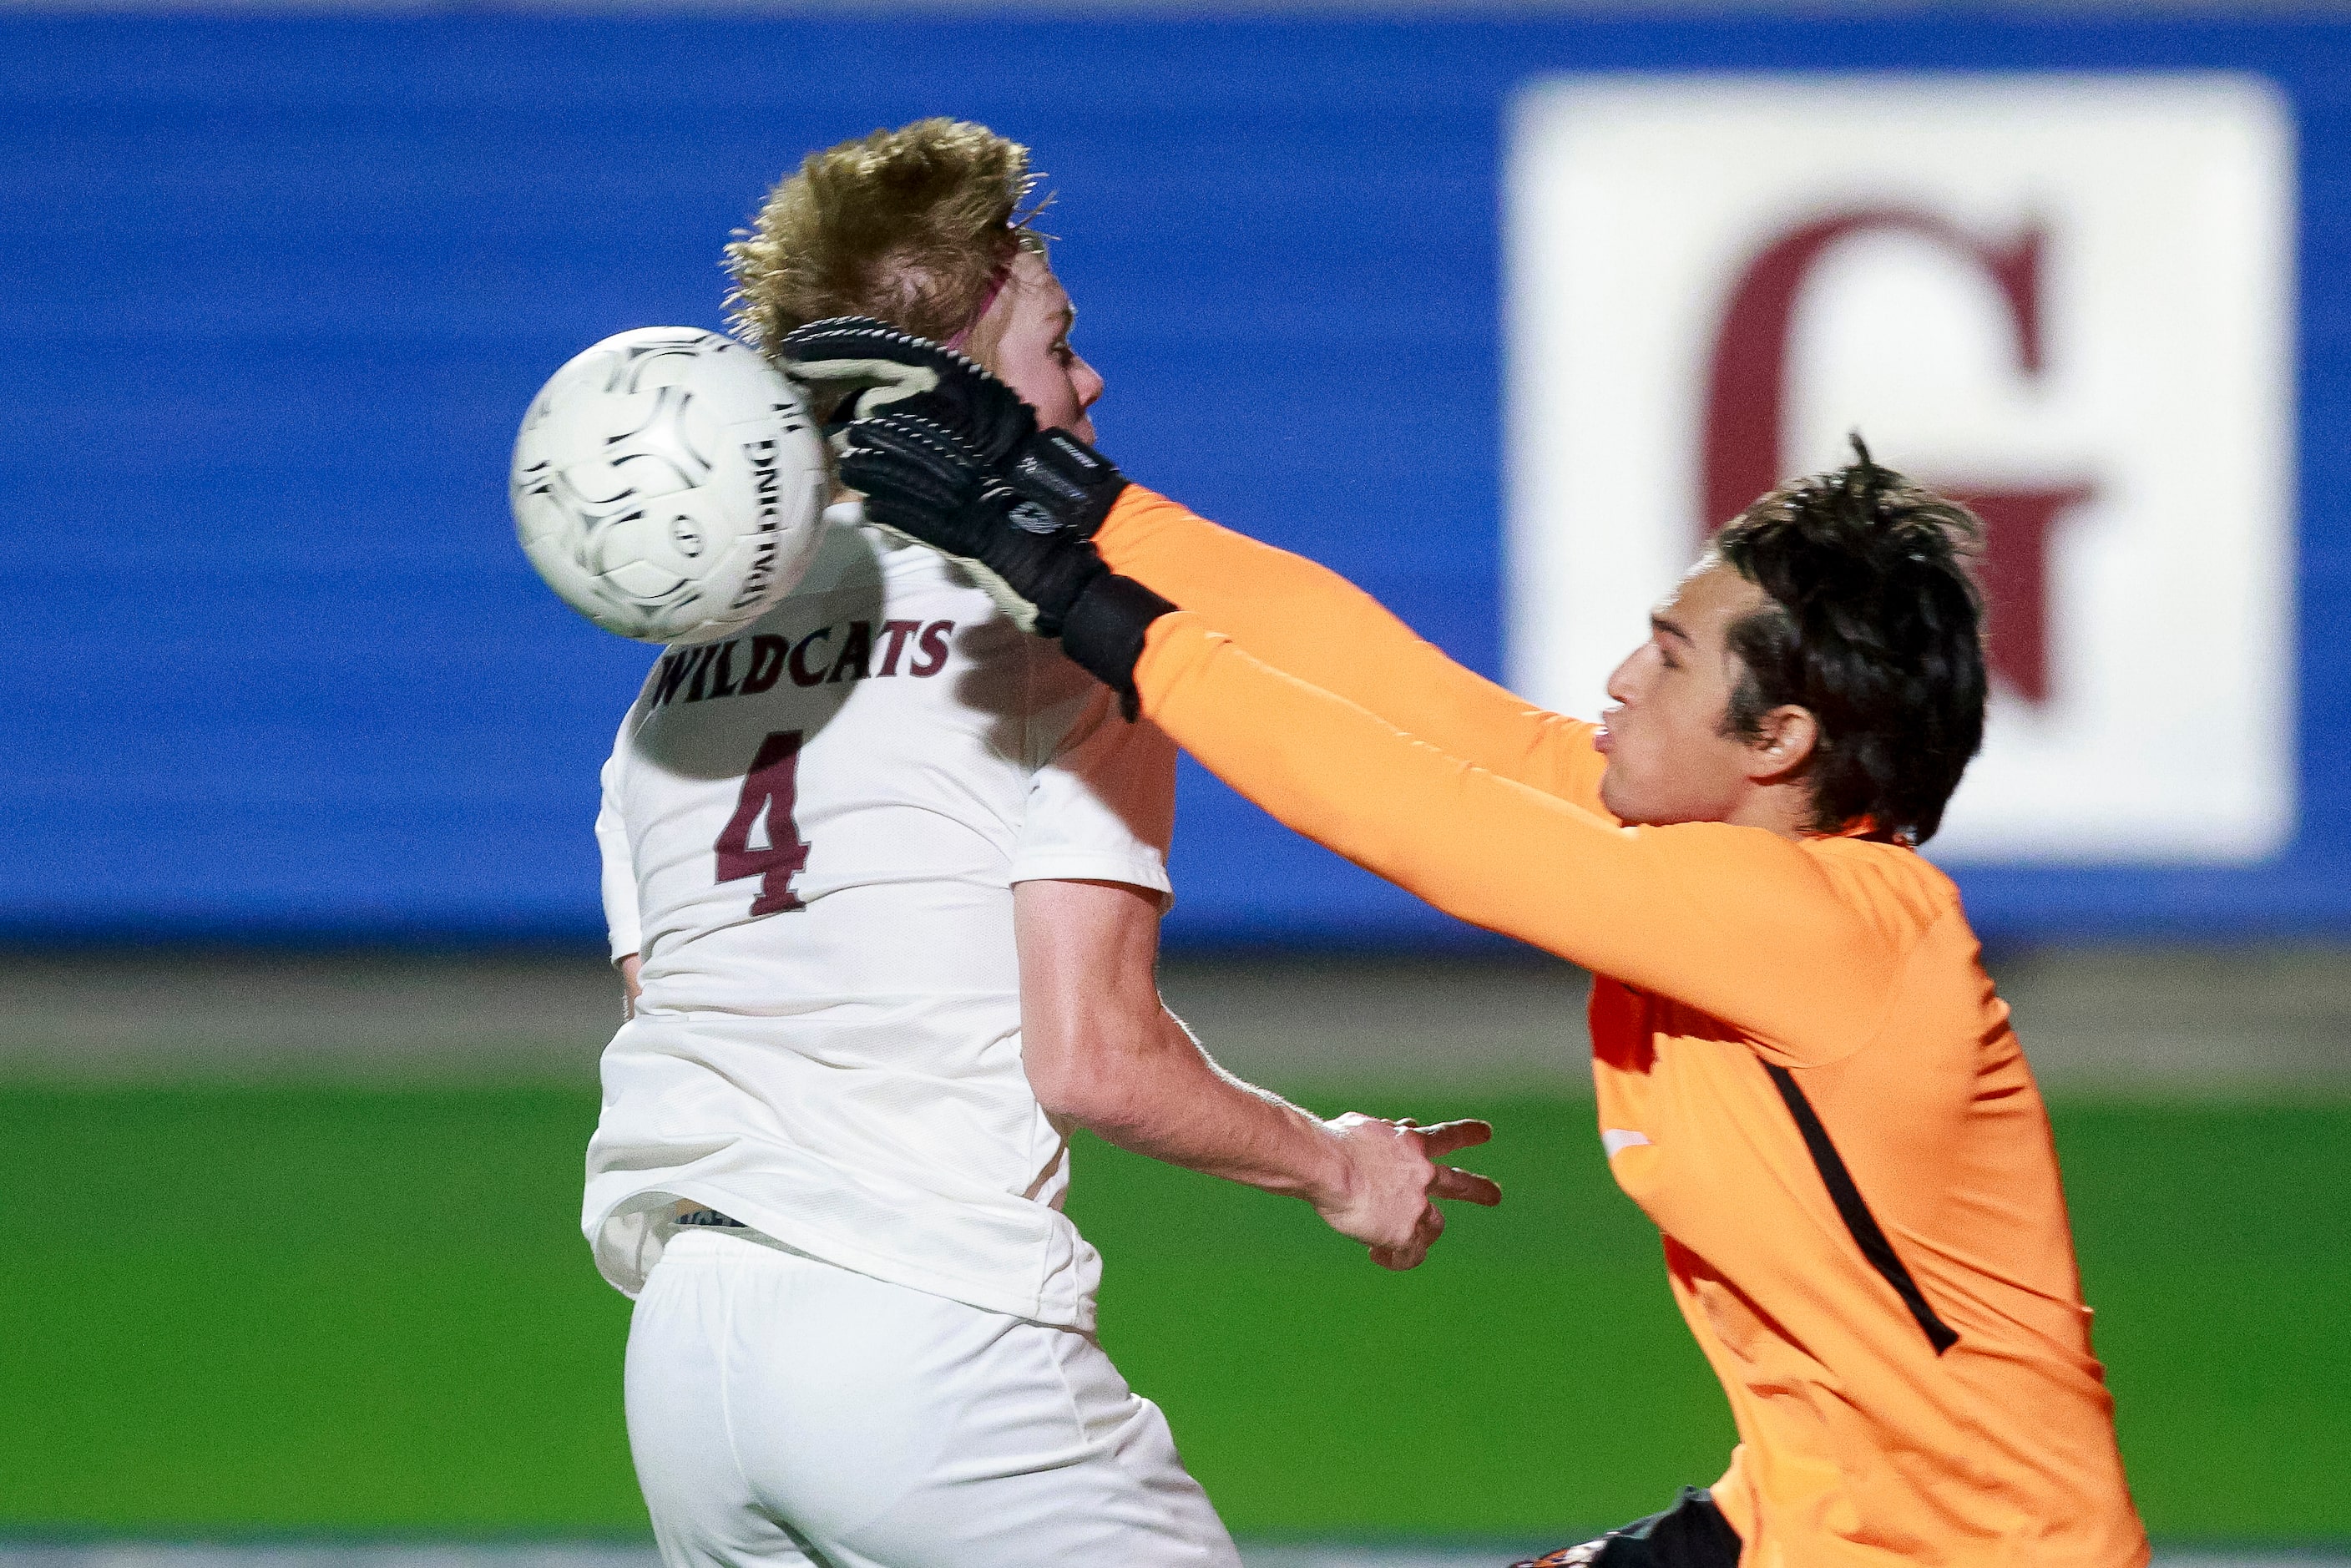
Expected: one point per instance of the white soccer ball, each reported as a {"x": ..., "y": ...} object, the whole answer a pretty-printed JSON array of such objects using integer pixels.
[{"x": 669, "y": 485}]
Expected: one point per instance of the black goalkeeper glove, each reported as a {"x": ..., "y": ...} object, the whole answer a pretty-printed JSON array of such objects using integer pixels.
[
  {"x": 925, "y": 481},
  {"x": 858, "y": 367},
  {"x": 854, "y": 367}
]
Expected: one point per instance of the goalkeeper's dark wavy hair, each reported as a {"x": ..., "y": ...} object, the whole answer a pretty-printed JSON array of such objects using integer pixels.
[{"x": 1876, "y": 627}]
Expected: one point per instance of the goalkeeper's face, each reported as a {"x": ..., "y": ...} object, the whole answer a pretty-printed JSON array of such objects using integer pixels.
[
  {"x": 1673, "y": 757},
  {"x": 1030, "y": 323}
]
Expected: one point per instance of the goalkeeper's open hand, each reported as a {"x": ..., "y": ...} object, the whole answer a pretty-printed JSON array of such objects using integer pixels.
[
  {"x": 854, "y": 367},
  {"x": 946, "y": 455},
  {"x": 925, "y": 481},
  {"x": 858, "y": 368},
  {"x": 922, "y": 480}
]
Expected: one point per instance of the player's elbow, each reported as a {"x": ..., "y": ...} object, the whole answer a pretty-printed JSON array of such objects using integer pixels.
[
  {"x": 1075, "y": 1086},
  {"x": 1101, "y": 1078},
  {"x": 1074, "y": 1098}
]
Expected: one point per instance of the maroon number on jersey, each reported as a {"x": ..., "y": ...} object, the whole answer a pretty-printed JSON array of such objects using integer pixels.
[{"x": 772, "y": 785}]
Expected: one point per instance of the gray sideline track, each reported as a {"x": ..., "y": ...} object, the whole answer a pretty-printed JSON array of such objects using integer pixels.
[{"x": 2252, "y": 1020}]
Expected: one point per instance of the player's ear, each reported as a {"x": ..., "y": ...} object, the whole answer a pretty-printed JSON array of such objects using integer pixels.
[{"x": 1784, "y": 741}]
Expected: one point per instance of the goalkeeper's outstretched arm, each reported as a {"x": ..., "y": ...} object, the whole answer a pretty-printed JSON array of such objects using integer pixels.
[
  {"x": 1736, "y": 923},
  {"x": 947, "y": 452},
  {"x": 1303, "y": 618}
]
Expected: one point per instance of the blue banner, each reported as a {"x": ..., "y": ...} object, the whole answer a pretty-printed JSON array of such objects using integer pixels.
[{"x": 278, "y": 289}]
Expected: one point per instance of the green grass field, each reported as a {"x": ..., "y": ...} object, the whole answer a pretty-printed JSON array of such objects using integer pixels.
[{"x": 348, "y": 1310}]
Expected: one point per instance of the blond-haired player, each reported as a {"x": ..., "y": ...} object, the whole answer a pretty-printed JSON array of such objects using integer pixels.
[{"x": 889, "y": 875}]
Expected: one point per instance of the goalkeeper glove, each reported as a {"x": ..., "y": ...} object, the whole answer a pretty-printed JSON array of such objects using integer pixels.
[
  {"x": 854, "y": 367},
  {"x": 861, "y": 368},
  {"x": 1026, "y": 543}
]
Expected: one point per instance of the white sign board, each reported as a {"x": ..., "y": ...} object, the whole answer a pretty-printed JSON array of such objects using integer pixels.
[{"x": 2068, "y": 298}]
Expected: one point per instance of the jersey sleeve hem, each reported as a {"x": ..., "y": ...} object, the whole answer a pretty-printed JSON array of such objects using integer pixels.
[{"x": 1145, "y": 871}]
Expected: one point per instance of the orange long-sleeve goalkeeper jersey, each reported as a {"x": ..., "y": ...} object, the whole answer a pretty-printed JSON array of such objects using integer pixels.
[{"x": 1805, "y": 1076}]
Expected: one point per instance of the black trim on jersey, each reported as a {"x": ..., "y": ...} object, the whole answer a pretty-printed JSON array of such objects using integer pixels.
[{"x": 1857, "y": 1219}]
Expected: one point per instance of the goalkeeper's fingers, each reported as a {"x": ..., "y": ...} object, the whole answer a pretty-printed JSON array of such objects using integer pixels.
[
  {"x": 862, "y": 337},
  {"x": 909, "y": 466},
  {"x": 878, "y": 367},
  {"x": 860, "y": 359},
  {"x": 840, "y": 391}
]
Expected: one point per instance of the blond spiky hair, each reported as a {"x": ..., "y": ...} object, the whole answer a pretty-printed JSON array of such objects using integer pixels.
[{"x": 912, "y": 225}]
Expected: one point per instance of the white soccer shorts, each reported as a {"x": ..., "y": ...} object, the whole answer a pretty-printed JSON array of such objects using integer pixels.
[{"x": 784, "y": 1412}]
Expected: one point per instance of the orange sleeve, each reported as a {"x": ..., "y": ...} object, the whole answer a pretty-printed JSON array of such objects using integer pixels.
[
  {"x": 1735, "y": 922},
  {"x": 1307, "y": 620}
]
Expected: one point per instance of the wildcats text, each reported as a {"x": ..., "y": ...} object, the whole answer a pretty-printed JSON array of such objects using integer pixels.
[{"x": 857, "y": 651}]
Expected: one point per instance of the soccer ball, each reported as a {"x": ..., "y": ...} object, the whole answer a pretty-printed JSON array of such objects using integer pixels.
[{"x": 669, "y": 485}]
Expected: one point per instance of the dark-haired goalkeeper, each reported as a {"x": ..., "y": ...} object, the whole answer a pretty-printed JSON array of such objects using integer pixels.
[{"x": 1805, "y": 1076}]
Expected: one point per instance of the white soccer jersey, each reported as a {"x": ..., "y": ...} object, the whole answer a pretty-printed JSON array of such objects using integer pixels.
[{"x": 817, "y": 825}]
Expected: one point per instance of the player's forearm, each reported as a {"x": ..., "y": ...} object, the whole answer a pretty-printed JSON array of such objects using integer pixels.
[
  {"x": 1300, "y": 616},
  {"x": 1100, "y": 1050},
  {"x": 1165, "y": 1098},
  {"x": 1693, "y": 913}
]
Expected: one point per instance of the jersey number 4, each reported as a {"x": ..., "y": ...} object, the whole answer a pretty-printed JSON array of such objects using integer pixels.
[{"x": 770, "y": 790}]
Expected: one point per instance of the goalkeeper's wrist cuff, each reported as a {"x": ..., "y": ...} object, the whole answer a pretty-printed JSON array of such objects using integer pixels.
[{"x": 1104, "y": 630}]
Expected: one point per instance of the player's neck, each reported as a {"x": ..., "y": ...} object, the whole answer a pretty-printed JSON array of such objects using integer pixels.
[{"x": 1784, "y": 807}]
